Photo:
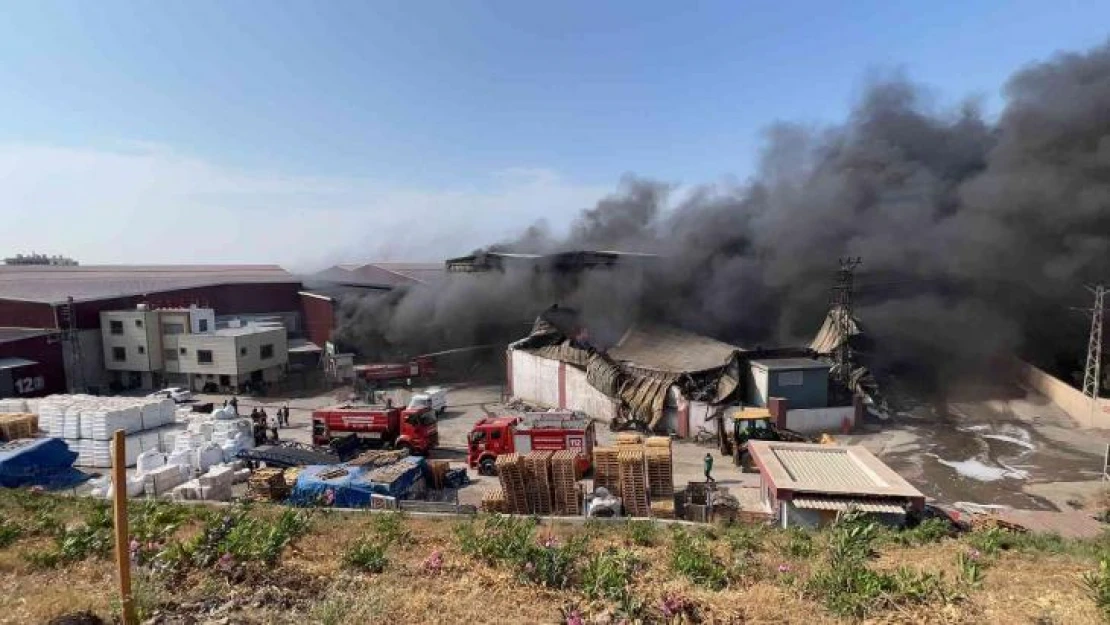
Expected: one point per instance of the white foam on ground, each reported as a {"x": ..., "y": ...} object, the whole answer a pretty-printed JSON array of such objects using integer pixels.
[
  {"x": 1011, "y": 439},
  {"x": 981, "y": 471}
]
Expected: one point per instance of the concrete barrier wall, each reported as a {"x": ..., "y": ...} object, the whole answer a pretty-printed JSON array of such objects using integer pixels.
[
  {"x": 581, "y": 396},
  {"x": 535, "y": 379},
  {"x": 819, "y": 420},
  {"x": 1068, "y": 398}
]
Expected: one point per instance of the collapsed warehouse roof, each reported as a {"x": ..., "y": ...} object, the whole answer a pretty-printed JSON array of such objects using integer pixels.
[
  {"x": 642, "y": 367},
  {"x": 559, "y": 262},
  {"x": 838, "y": 328}
]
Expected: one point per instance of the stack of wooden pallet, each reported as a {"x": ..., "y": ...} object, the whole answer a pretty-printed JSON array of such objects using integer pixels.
[
  {"x": 510, "y": 469},
  {"x": 18, "y": 425},
  {"x": 537, "y": 472},
  {"x": 660, "y": 467},
  {"x": 267, "y": 485},
  {"x": 607, "y": 470},
  {"x": 493, "y": 500},
  {"x": 564, "y": 478},
  {"x": 633, "y": 480},
  {"x": 629, "y": 439}
]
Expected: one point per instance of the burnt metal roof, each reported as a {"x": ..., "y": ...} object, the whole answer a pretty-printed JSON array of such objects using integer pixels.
[
  {"x": 569, "y": 261},
  {"x": 52, "y": 285},
  {"x": 665, "y": 348}
]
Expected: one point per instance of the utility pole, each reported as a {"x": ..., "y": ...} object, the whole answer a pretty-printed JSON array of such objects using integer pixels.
[
  {"x": 841, "y": 306},
  {"x": 1092, "y": 373}
]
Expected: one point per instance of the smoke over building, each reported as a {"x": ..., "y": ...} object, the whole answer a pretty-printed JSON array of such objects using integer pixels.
[{"x": 976, "y": 236}]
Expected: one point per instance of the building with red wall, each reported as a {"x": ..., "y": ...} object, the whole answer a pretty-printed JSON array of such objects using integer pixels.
[{"x": 44, "y": 298}]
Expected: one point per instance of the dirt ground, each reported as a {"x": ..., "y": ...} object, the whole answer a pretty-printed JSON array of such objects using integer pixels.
[{"x": 985, "y": 445}]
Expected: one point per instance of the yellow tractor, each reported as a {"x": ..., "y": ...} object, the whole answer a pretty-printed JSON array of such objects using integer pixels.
[{"x": 752, "y": 423}]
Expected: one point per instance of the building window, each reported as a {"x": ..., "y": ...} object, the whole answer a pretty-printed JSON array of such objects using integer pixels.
[
  {"x": 242, "y": 351},
  {"x": 173, "y": 328},
  {"x": 170, "y": 354},
  {"x": 266, "y": 351},
  {"x": 138, "y": 323},
  {"x": 184, "y": 351},
  {"x": 119, "y": 354},
  {"x": 790, "y": 378},
  {"x": 142, "y": 350},
  {"x": 116, "y": 326},
  {"x": 204, "y": 356},
  {"x": 203, "y": 325}
]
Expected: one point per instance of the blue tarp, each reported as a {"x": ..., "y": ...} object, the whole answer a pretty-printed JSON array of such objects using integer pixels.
[
  {"x": 352, "y": 490},
  {"x": 46, "y": 462}
]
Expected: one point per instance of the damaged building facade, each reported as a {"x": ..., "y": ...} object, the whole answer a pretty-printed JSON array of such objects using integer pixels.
[{"x": 666, "y": 379}]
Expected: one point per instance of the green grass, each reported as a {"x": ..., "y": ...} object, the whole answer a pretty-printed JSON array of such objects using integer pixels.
[
  {"x": 643, "y": 533},
  {"x": 367, "y": 555},
  {"x": 692, "y": 557}
]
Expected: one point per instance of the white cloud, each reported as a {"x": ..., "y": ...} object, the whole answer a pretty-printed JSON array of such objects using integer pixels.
[{"x": 143, "y": 203}]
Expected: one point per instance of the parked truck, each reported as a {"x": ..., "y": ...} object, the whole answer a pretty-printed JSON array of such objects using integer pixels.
[
  {"x": 378, "y": 425},
  {"x": 433, "y": 397},
  {"x": 391, "y": 373},
  {"x": 533, "y": 431}
]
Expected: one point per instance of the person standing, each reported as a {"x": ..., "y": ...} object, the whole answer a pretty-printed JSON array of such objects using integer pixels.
[
  {"x": 274, "y": 422},
  {"x": 709, "y": 468},
  {"x": 235, "y": 405},
  {"x": 285, "y": 414}
]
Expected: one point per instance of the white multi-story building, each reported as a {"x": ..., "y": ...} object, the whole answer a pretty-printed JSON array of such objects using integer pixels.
[{"x": 151, "y": 348}]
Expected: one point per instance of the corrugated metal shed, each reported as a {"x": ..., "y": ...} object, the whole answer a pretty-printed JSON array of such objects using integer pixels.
[
  {"x": 824, "y": 467},
  {"x": 794, "y": 469},
  {"x": 96, "y": 282},
  {"x": 877, "y": 506}
]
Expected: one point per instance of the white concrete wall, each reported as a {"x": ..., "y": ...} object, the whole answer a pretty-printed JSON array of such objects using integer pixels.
[
  {"x": 819, "y": 420},
  {"x": 582, "y": 396},
  {"x": 699, "y": 417},
  {"x": 756, "y": 383},
  {"x": 1068, "y": 398},
  {"x": 535, "y": 379}
]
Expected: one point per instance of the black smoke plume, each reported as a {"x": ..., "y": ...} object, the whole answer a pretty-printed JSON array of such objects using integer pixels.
[{"x": 976, "y": 235}]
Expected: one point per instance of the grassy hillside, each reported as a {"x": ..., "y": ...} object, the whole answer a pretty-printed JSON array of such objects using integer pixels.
[{"x": 277, "y": 565}]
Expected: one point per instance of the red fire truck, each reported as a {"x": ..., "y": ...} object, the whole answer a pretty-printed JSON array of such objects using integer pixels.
[
  {"x": 415, "y": 429},
  {"x": 420, "y": 368},
  {"x": 539, "y": 431}
]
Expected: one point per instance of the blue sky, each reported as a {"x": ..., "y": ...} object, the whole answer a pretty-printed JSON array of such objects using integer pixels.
[{"x": 397, "y": 130}]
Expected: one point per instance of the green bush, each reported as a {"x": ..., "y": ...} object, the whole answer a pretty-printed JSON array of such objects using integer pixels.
[
  {"x": 1097, "y": 584},
  {"x": 746, "y": 538},
  {"x": 9, "y": 532},
  {"x": 496, "y": 538},
  {"x": 238, "y": 536},
  {"x": 692, "y": 557},
  {"x": 796, "y": 543},
  {"x": 390, "y": 526},
  {"x": 927, "y": 532},
  {"x": 607, "y": 575},
  {"x": 367, "y": 555},
  {"x": 643, "y": 533},
  {"x": 552, "y": 564}
]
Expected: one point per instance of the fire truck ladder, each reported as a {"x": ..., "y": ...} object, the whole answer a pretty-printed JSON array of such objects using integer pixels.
[{"x": 67, "y": 322}]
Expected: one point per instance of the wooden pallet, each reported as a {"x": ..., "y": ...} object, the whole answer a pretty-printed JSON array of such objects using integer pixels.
[
  {"x": 267, "y": 485},
  {"x": 510, "y": 471},
  {"x": 537, "y": 466},
  {"x": 14, "y": 426},
  {"x": 633, "y": 481},
  {"x": 493, "y": 501},
  {"x": 662, "y": 508},
  {"x": 660, "y": 471},
  {"x": 629, "y": 439},
  {"x": 607, "y": 470},
  {"x": 565, "y": 485}
]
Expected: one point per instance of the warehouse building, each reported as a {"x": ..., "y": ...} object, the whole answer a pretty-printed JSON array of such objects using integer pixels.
[
  {"x": 66, "y": 303},
  {"x": 667, "y": 379},
  {"x": 31, "y": 363}
]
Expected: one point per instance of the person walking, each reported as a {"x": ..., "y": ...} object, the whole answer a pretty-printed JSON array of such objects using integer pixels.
[
  {"x": 285, "y": 415},
  {"x": 709, "y": 468}
]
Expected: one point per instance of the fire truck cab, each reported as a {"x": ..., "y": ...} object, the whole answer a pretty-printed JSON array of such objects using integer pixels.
[{"x": 534, "y": 431}]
